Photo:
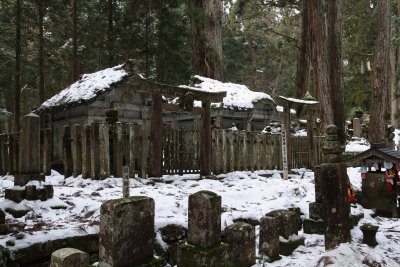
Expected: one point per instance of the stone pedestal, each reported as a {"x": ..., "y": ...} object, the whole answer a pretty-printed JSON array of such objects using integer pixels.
[
  {"x": 287, "y": 222},
  {"x": 204, "y": 219},
  {"x": 311, "y": 226},
  {"x": 126, "y": 232},
  {"x": 269, "y": 238},
  {"x": 29, "y": 192},
  {"x": 241, "y": 239},
  {"x": 287, "y": 246},
  {"x": 369, "y": 234},
  {"x": 204, "y": 247},
  {"x": 69, "y": 257}
]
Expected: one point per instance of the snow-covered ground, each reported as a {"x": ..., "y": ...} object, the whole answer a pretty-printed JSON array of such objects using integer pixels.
[{"x": 244, "y": 194}]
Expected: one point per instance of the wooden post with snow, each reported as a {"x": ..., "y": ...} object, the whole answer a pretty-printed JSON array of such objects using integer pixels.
[
  {"x": 285, "y": 132},
  {"x": 76, "y": 150},
  {"x": 132, "y": 129},
  {"x": 156, "y": 136},
  {"x": 206, "y": 139}
]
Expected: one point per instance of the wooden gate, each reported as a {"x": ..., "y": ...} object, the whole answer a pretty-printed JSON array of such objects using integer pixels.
[{"x": 181, "y": 151}]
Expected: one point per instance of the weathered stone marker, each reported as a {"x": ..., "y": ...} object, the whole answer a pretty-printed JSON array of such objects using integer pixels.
[
  {"x": 126, "y": 232},
  {"x": 27, "y": 181},
  {"x": 357, "y": 129},
  {"x": 204, "y": 247},
  {"x": 69, "y": 257},
  {"x": 369, "y": 234},
  {"x": 287, "y": 222},
  {"x": 204, "y": 219},
  {"x": 241, "y": 238},
  {"x": 269, "y": 238},
  {"x": 29, "y": 156}
]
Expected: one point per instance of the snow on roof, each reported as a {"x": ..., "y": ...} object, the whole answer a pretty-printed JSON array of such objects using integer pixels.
[
  {"x": 237, "y": 95},
  {"x": 88, "y": 87},
  {"x": 300, "y": 101}
]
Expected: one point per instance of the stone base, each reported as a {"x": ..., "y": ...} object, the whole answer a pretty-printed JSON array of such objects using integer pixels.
[
  {"x": 17, "y": 213},
  {"x": 29, "y": 192},
  {"x": 215, "y": 256},
  {"x": 354, "y": 219},
  {"x": 22, "y": 179},
  {"x": 286, "y": 247},
  {"x": 4, "y": 229},
  {"x": 311, "y": 226}
]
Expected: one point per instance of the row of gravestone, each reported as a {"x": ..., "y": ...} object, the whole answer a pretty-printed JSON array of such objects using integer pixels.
[{"x": 127, "y": 236}]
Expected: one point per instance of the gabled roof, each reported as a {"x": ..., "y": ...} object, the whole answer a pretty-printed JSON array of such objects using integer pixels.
[
  {"x": 85, "y": 90},
  {"x": 238, "y": 96},
  {"x": 378, "y": 153}
]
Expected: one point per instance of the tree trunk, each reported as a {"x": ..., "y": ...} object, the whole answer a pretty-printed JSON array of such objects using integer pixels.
[
  {"x": 381, "y": 79},
  {"x": 75, "y": 71},
  {"x": 41, "y": 52},
  {"x": 303, "y": 63},
  {"x": 334, "y": 28},
  {"x": 110, "y": 34},
  {"x": 18, "y": 10},
  {"x": 320, "y": 59},
  {"x": 206, "y": 37}
]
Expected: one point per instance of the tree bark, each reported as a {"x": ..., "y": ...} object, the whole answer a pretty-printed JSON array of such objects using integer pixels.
[
  {"x": 41, "y": 52},
  {"x": 334, "y": 28},
  {"x": 303, "y": 63},
  {"x": 18, "y": 10},
  {"x": 75, "y": 71},
  {"x": 320, "y": 59},
  {"x": 206, "y": 18},
  {"x": 381, "y": 79},
  {"x": 110, "y": 33}
]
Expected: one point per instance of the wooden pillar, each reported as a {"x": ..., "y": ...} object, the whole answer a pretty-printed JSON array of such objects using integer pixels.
[
  {"x": 104, "y": 150},
  {"x": 206, "y": 139},
  {"x": 86, "y": 152},
  {"x": 247, "y": 125},
  {"x": 132, "y": 129},
  {"x": 76, "y": 150},
  {"x": 67, "y": 155},
  {"x": 94, "y": 151},
  {"x": 156, "y": 136},
  {"x": 118, "y": 150},
  {"x": 145, "y": 149},
  {"x": 310, "y": 136},
  {"x": 219, "y": 122},
  {"x": 46, "y": 151}
]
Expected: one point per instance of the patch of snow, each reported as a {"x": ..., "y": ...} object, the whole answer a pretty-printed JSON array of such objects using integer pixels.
[
  {"x": 87, "y": 87},
  {"x": 357, "y": 145}
]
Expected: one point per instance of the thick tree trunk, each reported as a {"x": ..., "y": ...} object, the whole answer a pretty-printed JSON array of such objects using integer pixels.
[
  {"x": 381, "y": 80},
  {"x": 320, "y": 59},
  {"x": 206, "y": 37},
  {"x": 334, "y": 28},
  {"x": 18, "y": 10},
  {"x": 41, "y": 52},
  {"x": 303, "y": 63},
  {"x": 75, "y": 70},
  {"x": 110, "y": 33}
]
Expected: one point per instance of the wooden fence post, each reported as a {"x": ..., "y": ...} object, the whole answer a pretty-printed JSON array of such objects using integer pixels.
[
  {"x": 76, "y": 150},
  {"x": 104, "y": 146},
  {"x": 67, "y": 154},
  {"x": 85, "y": 151},
  {"x": 94, "y": 151}
]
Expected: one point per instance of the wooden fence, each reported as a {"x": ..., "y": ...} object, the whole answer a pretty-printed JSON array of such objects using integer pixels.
[{"x": 100, "y": 150}]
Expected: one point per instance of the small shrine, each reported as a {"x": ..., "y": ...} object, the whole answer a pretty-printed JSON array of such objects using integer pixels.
[{"x": 379, "y": 173}]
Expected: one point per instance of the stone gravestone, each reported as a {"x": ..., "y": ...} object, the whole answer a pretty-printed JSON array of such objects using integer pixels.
[
  {"x": 28, "y": 181},
  {"x": 204, "y": 247},
  {"x": 127, "y": 232},
  {"x": 241, "y": 238},
  {"x": 69, "y": 257},
  {"x": 357, "y": 128},
  {"x": 269, "y": 238}
]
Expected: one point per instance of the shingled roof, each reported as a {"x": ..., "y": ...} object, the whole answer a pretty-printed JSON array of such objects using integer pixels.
[{"x": 378, "y": 153}]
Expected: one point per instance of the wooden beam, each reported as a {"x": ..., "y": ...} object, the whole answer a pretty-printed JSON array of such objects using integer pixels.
[
  {"x": 143, "y": 85},
  {"x": 175, "y": 108}
]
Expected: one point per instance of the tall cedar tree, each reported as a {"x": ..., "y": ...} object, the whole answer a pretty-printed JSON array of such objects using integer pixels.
[
  {"x": 40, "y": 4},
  {"x": 303, "y": 61},
  {"x": 75, "y": 70},
  {"x": 18, "y": 11},
  {"x": 206, "y": 17},
  {"x": 381, "y": 80}
]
